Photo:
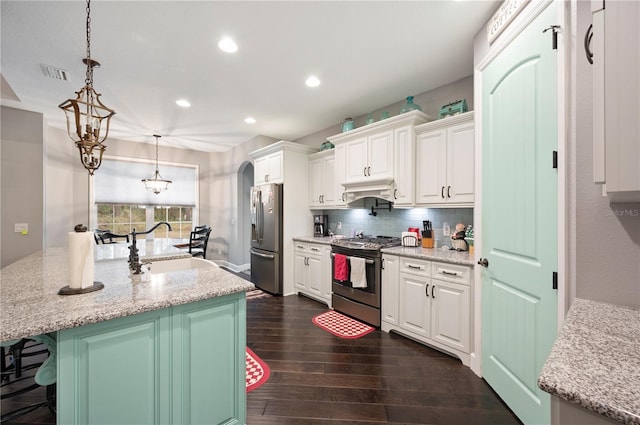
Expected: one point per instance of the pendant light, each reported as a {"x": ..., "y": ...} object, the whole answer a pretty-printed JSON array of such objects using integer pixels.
[
  {"x": 156, "y": 184},
  {"x": 87, "y": 117}
]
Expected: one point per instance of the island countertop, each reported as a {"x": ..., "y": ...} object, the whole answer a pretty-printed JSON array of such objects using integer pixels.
[
  {"x": 30, "y": 304},
  {"x": 594, "y": 360}
]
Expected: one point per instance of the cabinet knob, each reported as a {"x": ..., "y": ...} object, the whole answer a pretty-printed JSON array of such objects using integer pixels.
[{"x": 483, "y": 262}]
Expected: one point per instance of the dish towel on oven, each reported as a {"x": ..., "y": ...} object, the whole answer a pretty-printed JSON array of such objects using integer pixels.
[
  {"x": 358, "y": 272},
  {"x": 340, "y": 269}
]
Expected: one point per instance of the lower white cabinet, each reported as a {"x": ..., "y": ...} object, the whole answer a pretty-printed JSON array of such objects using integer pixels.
[
  {"x": 429, "y": 301},
  {"x": 312, "y": 270}
]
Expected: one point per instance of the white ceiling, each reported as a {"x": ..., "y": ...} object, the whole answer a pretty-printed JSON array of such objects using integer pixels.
[{"x": 368, "y": 54}]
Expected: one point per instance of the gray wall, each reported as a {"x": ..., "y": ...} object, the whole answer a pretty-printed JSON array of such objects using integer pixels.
[
  {"x": 607, "y": 236},
  {"x": 430, "y": 101},
  {"x": 21, "y": 152}
]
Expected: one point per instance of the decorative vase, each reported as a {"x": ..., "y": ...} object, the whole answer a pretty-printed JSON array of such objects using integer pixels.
[
  {"x": 370, "y": 119},
  {"x": 347, "y": 125},
  {"x": 410, "y": 106}
]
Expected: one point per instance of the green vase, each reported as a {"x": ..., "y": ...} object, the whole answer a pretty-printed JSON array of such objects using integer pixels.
[{"x": 410, "y": 106}]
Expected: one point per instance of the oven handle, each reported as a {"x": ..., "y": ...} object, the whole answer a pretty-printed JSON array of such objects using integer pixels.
[{"x": 349, "y": 257}]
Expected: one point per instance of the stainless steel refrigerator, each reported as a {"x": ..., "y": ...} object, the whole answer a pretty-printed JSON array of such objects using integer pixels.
[{"x": 266, "y": 237}]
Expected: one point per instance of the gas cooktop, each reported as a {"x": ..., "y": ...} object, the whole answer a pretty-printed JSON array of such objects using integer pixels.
[{"x": 368, "y": 242}]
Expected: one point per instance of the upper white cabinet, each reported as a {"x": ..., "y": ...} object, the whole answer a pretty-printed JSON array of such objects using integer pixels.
[
  {"x": 616, "y": 87},
  {"x": 322, "y": 179},
  {"x": 370, "y": 157},
  {"x": 445, "y": 161},
  {"x": 268, "y": 169},
  {"x": 378, "y": 159}
]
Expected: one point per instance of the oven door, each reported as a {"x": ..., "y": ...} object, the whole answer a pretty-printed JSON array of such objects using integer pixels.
[{"x": 369, "y": 295}]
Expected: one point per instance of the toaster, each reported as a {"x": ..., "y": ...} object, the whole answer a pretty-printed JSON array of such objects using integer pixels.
[{"x": 409, "y": 239}]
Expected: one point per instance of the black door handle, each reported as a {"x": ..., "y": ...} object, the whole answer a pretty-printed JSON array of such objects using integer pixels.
[
  {"x": 587, "y": 44},
  {"x": 483, "y": 262},
  {"x": 426, "y": 291}
]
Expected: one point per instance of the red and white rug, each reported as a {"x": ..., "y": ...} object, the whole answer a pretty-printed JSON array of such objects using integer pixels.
[
  {"x": 257, "y": 371},
  {"x": 341, "y": 325}
]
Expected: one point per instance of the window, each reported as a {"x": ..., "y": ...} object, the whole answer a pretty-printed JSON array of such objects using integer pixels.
[
  {"x": 122, "y": 203},
  {"x": 122, "y": 219}
]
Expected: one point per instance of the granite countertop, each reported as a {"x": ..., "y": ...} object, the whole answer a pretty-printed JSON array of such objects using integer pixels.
[
  {"x": 325, "y": 240},
  {"x": 595, "y": 360},
  {"x": 447, "y": 256},
  {"x": 30, "y": 304}
]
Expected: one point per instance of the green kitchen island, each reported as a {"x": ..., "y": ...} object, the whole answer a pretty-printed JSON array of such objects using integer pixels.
[{"x": 166, "y": 348}]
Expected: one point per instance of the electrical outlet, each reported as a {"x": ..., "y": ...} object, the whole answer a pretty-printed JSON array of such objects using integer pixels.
[
  {"x": 219, "y": 251},
  {"x": 339, "y": 226},
  {"x": 21, "y": 228}
]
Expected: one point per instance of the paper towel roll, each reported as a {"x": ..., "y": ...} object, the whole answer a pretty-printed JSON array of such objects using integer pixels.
[{"x": 80, "y": 259}]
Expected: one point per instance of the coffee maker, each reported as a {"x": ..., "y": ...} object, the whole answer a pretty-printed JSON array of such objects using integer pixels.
[{"x": 320, "y": 225}]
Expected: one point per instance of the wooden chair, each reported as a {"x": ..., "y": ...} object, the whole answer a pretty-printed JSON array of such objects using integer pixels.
[
  {"x": 106, "y": 237},
  {"x": 198, "y": 240}
]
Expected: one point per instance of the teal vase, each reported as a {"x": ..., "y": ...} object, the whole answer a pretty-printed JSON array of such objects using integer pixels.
[{"x": 410, "y": 106}]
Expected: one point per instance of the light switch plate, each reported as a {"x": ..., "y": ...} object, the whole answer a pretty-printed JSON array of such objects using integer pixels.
[{"x": 21, "y": 228}]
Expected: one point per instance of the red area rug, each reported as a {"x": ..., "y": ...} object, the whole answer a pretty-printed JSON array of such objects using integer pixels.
[
  {"x": 341, "y": 325},
  {"x": 257, "y": 371}
]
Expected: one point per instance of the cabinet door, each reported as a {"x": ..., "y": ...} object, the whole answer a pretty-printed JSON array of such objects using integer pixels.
[
  {"x": 404, "y": 167},
  {"x": 390, "y": 289},
  {"x": 356, "y": 159},
  {"x": 328, "y": 183},
  {"x": 276, "y": 168},
  {"x": 380, "y": 149},
  {"x": 261, "y": 169},
  {"x": 116, "y": 372},
  {"x": 340, "y": 174},
  {"x": 208, "y": 348},
  {"x": 450, "y": 315},
  {"x": 415, "y": 304},
  {"x": 316, "y": 182},
  {"x": 300, "y": 270},
  {"x": 460, "y": 163},
  {"x": 431, "y": 167},
  {"x": 314, "y": 273},
  {"x": 325, "y": 284}
]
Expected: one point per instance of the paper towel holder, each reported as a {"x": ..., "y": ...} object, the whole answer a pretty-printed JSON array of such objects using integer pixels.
[{"x": 75, "y": 291}]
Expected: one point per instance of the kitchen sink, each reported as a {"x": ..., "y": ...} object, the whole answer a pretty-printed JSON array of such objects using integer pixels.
[{"x": 178, "y": 264}]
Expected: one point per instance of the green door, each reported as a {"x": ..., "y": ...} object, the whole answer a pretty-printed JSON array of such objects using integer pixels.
[{"x": 519, "y": 217}]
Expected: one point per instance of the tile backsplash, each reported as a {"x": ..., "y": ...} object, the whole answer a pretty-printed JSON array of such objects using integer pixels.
[{"x": 396, "y": 221}]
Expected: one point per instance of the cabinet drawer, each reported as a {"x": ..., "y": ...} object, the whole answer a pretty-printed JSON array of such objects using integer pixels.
[
  {"x": 314, "y": 249},
  {"x": 301, "y": 246},
  {"x": 451, "y": 273},
  {"x": 415, "y": 266}
]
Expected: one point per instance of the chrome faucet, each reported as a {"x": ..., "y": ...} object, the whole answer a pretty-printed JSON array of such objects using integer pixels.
[{"x": 134, "y": 259}]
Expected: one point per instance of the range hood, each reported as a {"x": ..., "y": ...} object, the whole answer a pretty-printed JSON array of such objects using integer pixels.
[{"x": 381, "y": 188}]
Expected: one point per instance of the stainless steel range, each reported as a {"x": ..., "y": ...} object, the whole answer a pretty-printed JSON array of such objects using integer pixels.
[{"x": 360, "y": 303}]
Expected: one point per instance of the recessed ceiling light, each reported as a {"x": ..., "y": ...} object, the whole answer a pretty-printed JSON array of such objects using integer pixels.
[
  {"x": 183, "y": 102},
  {"x": 250, "y": 120},
  {"x": 312, "y": 81},
  {"x": 228, "y": 45}
]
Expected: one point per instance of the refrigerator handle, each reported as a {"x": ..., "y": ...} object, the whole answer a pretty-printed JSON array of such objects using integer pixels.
[
  {"x": 260, "y": 217},
  {"x": 271, "y": 257}
]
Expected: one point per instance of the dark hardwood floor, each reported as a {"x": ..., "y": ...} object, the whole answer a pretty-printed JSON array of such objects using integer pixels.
[{"x": 317, "y": 378}]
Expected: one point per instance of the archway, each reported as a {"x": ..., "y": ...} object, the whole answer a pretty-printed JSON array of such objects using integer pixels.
[{"x": 245, "y": 182}]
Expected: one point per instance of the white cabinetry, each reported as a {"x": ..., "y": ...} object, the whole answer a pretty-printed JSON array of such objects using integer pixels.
[
  {"x": 269, "y": 168},
  {"x": 340, "y": 172},
  {"x": 429, "y": 301},
  {"x": 616, "y": 87},
  {"x": 389, "y": 301},
  {"x": 445, "y": 161},
  {"x": 322, "y": 187},
  {"x": 370, "y": 157},
  {"x": 376, "y": 155},
  {"x": 312, "y": 271}
]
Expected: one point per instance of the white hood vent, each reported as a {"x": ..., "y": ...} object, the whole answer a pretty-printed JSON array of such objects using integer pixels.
[{"x": 381, "y": 188}]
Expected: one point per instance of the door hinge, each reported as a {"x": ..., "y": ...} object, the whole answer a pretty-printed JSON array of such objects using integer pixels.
[
  {"x": 554, "y": 34},
  {"x": 555, "y": 159},
  {"x": 555, "y": 280}
]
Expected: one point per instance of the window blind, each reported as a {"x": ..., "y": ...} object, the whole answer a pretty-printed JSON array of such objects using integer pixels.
[{"x": 120, "y": 182}]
